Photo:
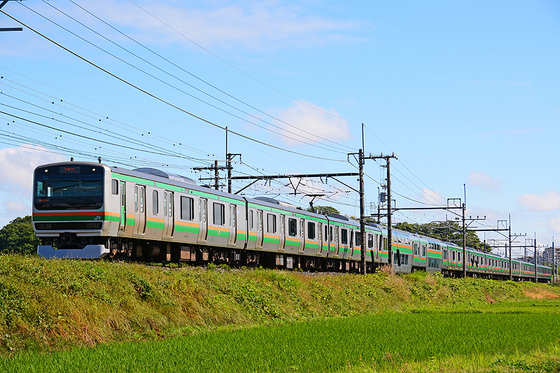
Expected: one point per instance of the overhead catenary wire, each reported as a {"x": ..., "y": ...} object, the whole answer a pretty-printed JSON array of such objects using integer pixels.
[
  {"x": 165, "y": 101},
  {"x": 407, "y": 178},
  {"x": 92, "y": 115},
  {"x": 238, "y": 69},
  {"x": 207, "y": 83},
  {"x": 296, "y": 139}
]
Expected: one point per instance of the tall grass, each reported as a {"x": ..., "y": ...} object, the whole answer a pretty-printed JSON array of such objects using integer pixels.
[{"x": 49, "y": 305}]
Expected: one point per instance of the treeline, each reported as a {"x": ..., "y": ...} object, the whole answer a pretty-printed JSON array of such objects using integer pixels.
[
  {"x": 18, "y": 237},
  {"x": 449, "y": 231}
]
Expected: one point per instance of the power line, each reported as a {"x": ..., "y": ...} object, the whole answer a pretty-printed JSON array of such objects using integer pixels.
[
  {"x": 174, "y": 87},
  {"x": 200, "y": 79},
  {"x": 99, "y": 117},
  {"x": 238, "y": 69},
  {"x": 164, "y": 101}
]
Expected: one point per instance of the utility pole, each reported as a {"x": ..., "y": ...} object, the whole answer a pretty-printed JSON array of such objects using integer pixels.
[
  {"x": 389, "y": 201},
  {"x": 362, "y": 197},
  {"x": 535, "y": 251},
  {"x": 361, "y": 161},
  {"x": 229, "y": 167},
  {"x": 512, "y": 237},
  {"x": 229, "y": 158},
  {"x": 216, "y": 169}
]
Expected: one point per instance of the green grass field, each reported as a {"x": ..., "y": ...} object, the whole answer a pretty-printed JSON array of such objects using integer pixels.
[
  {"x": 60, "y": 315},
  {"x": 505, "y": 335}
]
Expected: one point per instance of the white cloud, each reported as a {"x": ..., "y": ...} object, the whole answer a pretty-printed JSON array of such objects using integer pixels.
[
  {"x": 547, "y": 202},
  {"x": 16, "y": 170},
  {"x": 252, "y": 24},
  {"x": 485, "y": 181},
  {"x": 554, "y": 224},
  {"x": 432, "y": 197},
  {"x": 311, "y": 124},
  {"x": 17, "y": 165}
]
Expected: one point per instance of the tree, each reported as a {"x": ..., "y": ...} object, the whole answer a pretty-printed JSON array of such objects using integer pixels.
[
  {"x": 325, "y": 210},
  {"x": 446, "y": 231},
  {"x": 18, "y": 237}
]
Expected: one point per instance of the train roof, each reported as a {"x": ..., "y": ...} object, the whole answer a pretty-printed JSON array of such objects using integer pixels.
[{"x": 166, "y": 175}]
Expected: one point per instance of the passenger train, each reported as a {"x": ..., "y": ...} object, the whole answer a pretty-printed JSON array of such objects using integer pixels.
[{"x": 91, "y": 210}]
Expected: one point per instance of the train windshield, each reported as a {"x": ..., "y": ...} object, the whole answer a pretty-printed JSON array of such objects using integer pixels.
[{"x": 69, "y": 187}]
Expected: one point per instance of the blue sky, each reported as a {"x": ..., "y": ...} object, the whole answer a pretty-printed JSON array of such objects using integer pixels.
[{"x": 464, "y": 94}]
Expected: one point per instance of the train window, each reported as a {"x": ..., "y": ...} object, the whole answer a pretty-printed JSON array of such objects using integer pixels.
[
  {"x": 459, "y": 256},
  {"x": 115, "y": 186},
  {"x": 370, "y": 241},
  {"x": 270, "y": 223},
  {"x": 142, "y": 196},
  {"x": 330, "y": 234},
  {"x": 164, "y": 203},
  {"x": 219, "y": 214},
  {"x": 424, "y": 250},
  {"x": 135, "y": 199},
  {"x": 155, "y": 201},
  {"x": 292, "y": 227},
  {"x": 310, "y": 230},
  {"x": 445, "y": 254},
  {"x": 404, "y": 259},
  {"x": 326, "y": 232},
  {"x": 344, "y": 236},
  {"x": 251, "y": 224},
  {"x": 187, "y": 208},
  {"x": 170, "y": 205}
]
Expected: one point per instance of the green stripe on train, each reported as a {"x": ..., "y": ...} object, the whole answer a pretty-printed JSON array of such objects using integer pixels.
[
  {"x": 219, "y": 233},
  {"x": 154, "y": 224},
  {"x": 187, "y": 228}
]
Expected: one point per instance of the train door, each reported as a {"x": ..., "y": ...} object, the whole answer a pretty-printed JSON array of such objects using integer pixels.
[
  {"x": 232, "y": 224},
  {"x": 319, "y": 238},
  {"x": 301, "y": 235},
  {"x": 282, "y": 232},
  {"x": 139, "y": 209},
  {"x": 203, "y": 220},
  {"x": 352, "y": 234},
  {"x": 260, "y": 236},
  {"x": 169, "y": 214},
  {"x": 385, "y": 246},
  {"x": 336, "y": 240},
  {"x": 122, "y": 220}
]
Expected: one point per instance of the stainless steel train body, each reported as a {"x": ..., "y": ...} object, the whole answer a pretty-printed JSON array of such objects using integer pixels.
[{"x": 91, "y": 210}]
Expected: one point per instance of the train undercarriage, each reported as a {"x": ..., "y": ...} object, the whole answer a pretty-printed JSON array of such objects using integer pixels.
[{"x": 157, "y": 251}]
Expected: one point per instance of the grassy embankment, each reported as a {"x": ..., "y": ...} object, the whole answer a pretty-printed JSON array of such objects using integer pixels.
[{"x": 403, "y": 320}]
